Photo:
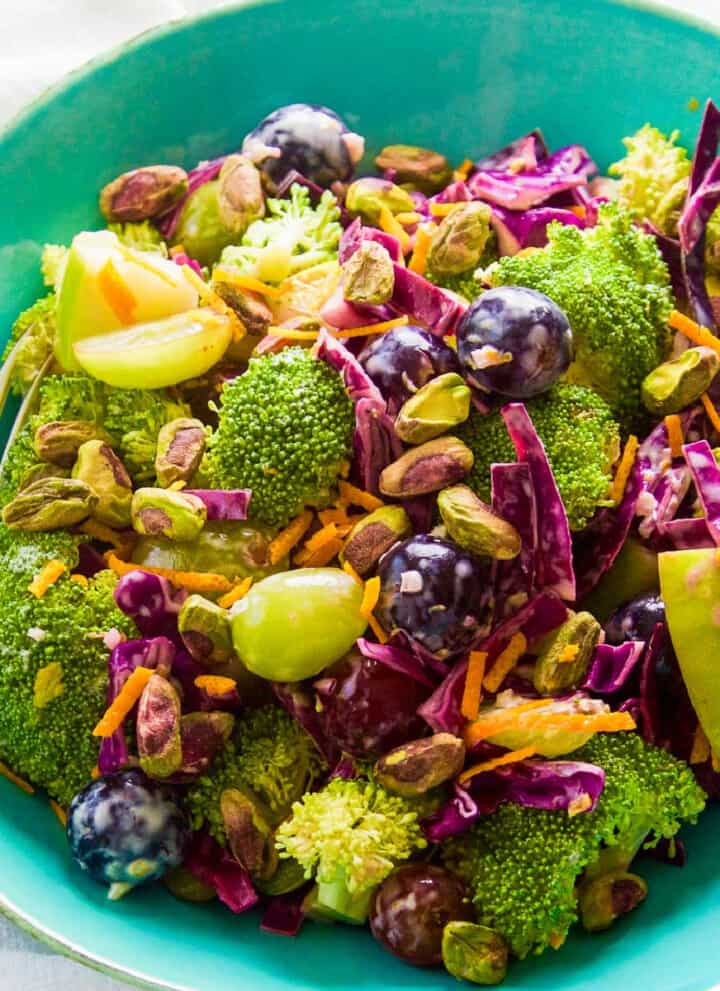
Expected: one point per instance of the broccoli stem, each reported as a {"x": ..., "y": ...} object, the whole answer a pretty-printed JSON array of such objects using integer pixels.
[{"x": 333, "y": 898}]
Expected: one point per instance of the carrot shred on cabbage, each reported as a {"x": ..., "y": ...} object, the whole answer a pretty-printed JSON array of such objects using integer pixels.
[
  {"x": 505, "y": 662},
  {"x": 603, "y": 722},
  {"x": 675, "y": 435},
  {"x": 701, "y": 747},
  {"x": 194, "y": 581},
  {"x": 624, "y": 468},
  {"x": 123, "y": 703},
  {"x": 59, "y": 811},
  {"x": 388, "y": 223},
  {"x": 693, "y": 331},
  {"x": 371, "y": 594},
  {"x": 215, "y": 684},
  {"x": 472, "y": 692},
  {"x": 351, "y": 495},
  {"x": 371, "y": 328},
  {"x": 46, "y": 577},
  {"x": 512, "y": 757},
  {"x": 377, "y": 629},
  {"x": 236, "y": 593},
  {"x": 293, "y": 533},
  {"x": 19, "y": 782},
  {"x": 248, "y": 282},
  {"x": 712, "y": 414},
  {"x": 423, "y": 239}
]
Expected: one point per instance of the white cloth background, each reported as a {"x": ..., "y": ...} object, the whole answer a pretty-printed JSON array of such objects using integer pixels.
[{"x": 43, "y": 39}]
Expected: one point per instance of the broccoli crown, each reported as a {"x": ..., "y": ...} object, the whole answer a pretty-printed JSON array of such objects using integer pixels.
[
  {"x": 285, "y": 432},
  {"x": 292, "y": 237},
  {"x": 581, "y": 439},
  {"x": 351, "y": 830},
  {"x": 142, "y": 236},
  {"x": 614, "y": 288},
  {"x": 270, "y": 756},
  {"x": 36, "y": 326},
  {"x": 653, "y": 177},
  {"x": 53, "y": 674},
  {"x": 465, "y": 284},
  {"x": 52, "y": 264},
  {"x": 522, "y": 864}
]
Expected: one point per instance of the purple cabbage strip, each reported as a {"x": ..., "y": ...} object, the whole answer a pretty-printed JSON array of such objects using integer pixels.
[
  {"x": 669, "y": 248},
  {"x": 456, "y": 192},
  {"x": 412, "y": 646},
  {"x": 353, "y": 236},
  {"x": 456, "y": 816},
  {"x": 706, "y": 147},
  {"x": 687, "y": 535},
  {"x": 611, "y": 666},
  {"x": 397, "y": 659},
  {"x": 284, "y": 914},
  {"x": 293, "y": 177},
  {"x": 342, "y": 315},
  {"x": 214, "y": 866},
  {"x": 151, "y": 601},
  {"x": 706, "y": 476},
  {"x": 513, "y": 499},
  {"x": 528, "y": 229},
  {"x": 345, "y": 769},
  {"x": 668, "y": 493},
  {"x": 435, "y": 308},
  {"x": 90, "y": 561},
  {"x": 554, "y": 565},
  {"x": 180, "y": 258},
  {"x": 530, "y": 149},
  {"x": 699, "y": 207},
  {"x": 197, "y": 177},
  {"x": 299, "y": 703},
  {"x": 565, "y": 169},
  {"x": 223, "y": 504},
  {"x": 375, "y": 443},
  {"x": 358, "y": 383},
  {"x": 669, "y": 851}
]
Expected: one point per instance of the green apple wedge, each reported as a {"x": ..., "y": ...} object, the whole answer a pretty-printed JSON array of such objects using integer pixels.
[
  {"x": 690, "y": 588},
  {"x": 107, "y": 285}
]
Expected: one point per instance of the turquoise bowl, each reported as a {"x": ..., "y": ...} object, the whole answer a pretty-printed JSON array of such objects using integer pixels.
[{"x": 463, "y": 76}]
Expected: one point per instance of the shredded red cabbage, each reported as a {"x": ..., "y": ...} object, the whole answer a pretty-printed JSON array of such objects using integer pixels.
[
  {"x": 180, "y": 258},
  {"x": 214, "y": 866},
  {"x": 706, "y": 476},
  {"x": 685, "y": 535},
  {"x": 435, "y": 308},
  {"x": 223, "y": 504},
  {"x": 151, "y": 601},
  {"x": 561, "y": 171},
  {"x": 529, "y": 149},
  {"x": 528, "y": 229},
  {"x": 397, "y": 659},
  {"x": 299, "y": 702},
  {"x": 611, "y": 666},
  {"x": 699, "y": 207},
  {"x": 513, "y": 499},
  {"x": 284, "y": 914},
  {"x": 344, "y": 316}
]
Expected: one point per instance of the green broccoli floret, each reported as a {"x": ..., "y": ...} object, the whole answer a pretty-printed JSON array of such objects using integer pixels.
[
  {"x": 270, "y": 756},
  {"x": 581, "y": 438},
  {"x": 653, "y": 177},
  {"x": 53, "y": 663},
  {"x": 349, "y": 837},
  {"x": 285, "y": 432},
  {"x": 465, "y": 284},
  {"x": 292, "y": 237},
  {"x": 522, "y": 864},
  {"x": 52, "y": 264},
  {"x": 614, "y": 287},
  {"x": 142, "y": 236},
  {"x": 36, "y": 326},
  {"x": 134, "y": 418}
]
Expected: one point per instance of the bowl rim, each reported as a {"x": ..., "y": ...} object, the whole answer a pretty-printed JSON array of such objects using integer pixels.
[{"x": 23, "y": 117}]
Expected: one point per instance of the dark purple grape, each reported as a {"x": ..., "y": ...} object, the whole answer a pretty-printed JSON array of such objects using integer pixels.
[
  {"x": 435, "y": 591},
  {"x": 635, "y": 620},
  {"x": 306, "y": 137},
  {"x": 514, "y": 341},
  {"x": 125, "y": 830},
  {"x": 404, "y": 359},
  {"x": 367, "y": 707},
  {"x": 411, "y": 909}
]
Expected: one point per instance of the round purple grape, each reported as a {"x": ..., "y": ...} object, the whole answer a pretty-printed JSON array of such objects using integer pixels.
[
  {"x": 404, "y": 359},
  {"x": 125, "y": 830},
  {"x": 635, "y": 620},
  {"x": 435, "y": 591},
  {"x": 514, "y": 341}
]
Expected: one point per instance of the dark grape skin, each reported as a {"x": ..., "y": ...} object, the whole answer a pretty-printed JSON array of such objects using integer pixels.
[
  {"x": 525, "y": 324},
  {"x": 446, "y": 613},
  {"x": 125, "y": 819},
  {"x": 367, "y": 707},
  {"x": 404, "y": 359},
  {"x": 635, "y": 620},
  {"x": 411, "y": 909}
]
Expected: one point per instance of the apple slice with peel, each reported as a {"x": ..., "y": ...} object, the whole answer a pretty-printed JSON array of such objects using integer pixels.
[
  {"x": 157, "y": 354},
  {"x": 107, "y": 285}
]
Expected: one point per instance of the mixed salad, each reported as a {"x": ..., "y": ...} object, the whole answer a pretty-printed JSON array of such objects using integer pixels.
[{"x": 360, "y": 544}]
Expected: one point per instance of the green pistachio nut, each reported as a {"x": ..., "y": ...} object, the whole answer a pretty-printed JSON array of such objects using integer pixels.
[
  {"x": 183, "y": 884},
  {"x": 249, "y": 835},
  {"x": 680, "y": 382},
  {"x": 60, "y": 440},
  {"x": 253, "y": 311},
  {"x": 566, "y": 654},
  {"x": 45, "y": 470},
  {"x": 203, "y": 735},
  {"x": 441, "y": 404},
  {"x": 158, "y": 728},
  {"x": 289, "y": 876},
  {"x": 417, "y": 767},
  {"x": 50, "y": 504},
  {"x": 605, "y": 899},
  {"x": 459, "y": 241},
  {"x": 205, "y": 630},
  {"x": 474, "y": 953},
  {"x": 180, "y": 449},
  {"x": 143, "y": 193},
  {"x": 420, "y": 168},
  {"x": 167, "y": 513},
  {"x": 240, "y": 194},
  {"x": 372, "y": 536},
  {"x": 366, "y": 197},
  {"x": 474, "y": 526},
  {"x": 427, "y": 468},
  {"x": 99, "y": 466},
  {"x": 368, "y": 275}
]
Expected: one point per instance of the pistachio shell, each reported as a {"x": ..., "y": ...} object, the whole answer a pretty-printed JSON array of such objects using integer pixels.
[
  {"x": 427, "y": 468},
  {"x": 681, "y": 381},
  {"x": 372, "y": 536},
  {"x": 419, "y": 766},
  {"x": 50, "y": 504},
  {"x": 441, "y": 404},
  {"x": 474, "y": 526}
]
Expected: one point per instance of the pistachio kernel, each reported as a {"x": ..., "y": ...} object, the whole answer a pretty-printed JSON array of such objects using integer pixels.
[
  {"x": 248, "y": 832},
  {"x": 158, "y": 728},
  {"x": 99, "y": 466},
  {"x": 417, "y": 767},
  {"x": 368, "y": 275},
  {"x": 605, "y": 899},
  {"x": 427, "y": 468},
  {"x": 168, "y": 513},
  {"x": 681, "y": 381},
  {"x": 180, "y": 449},
  {"x": 203, "y": 735},
  {"x": 240, "y": 194},
  {"x": 460, "y": 239},
  {"x": 474, "y": 526},
  {"x": 438, "y": 406},
  {"x": 143, "y": 193},
  {"x": 60, "y": 440},
  {"x": 367, "y": 196},
  {"x": 421, "y": 168},
  {"x": 372, "y": 536},
  {"x": 474, "y": 953},
  {"x": 566, "y": 654},
  {"x": 50, "y": 504},
  {"x": 205, "y": 630}
]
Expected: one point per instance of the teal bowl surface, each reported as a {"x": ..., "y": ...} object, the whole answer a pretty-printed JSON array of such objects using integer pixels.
[{"x": 463, "y": 77}]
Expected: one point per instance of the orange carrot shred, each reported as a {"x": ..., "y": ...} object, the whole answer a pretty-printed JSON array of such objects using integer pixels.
[
  {"x": 472, "y": 692},
  {"x": 215, "y": 684},
  {"x": 321, "y": 556},
  {"x": 116, "y": 293},
  {"x": 95, "y": 773},
  {"x": 235, "y": 594},
  {"x": 194, "y": 581},
  {"x": 696, "y": 333},
  {"x": 568, "y": 654},
  {"x": 712, "y": 414},
  {"x": 604, "y": 722},
  {"x": 463, "y": 169},
  {"x": 675, "y": 435},
  {"x": 489, "y": 765},
  {"x": 377, "y": 629},
  {"x": 411, "y": 217},
  {"x": 103, "y": 533},
  {"x": 249, "y": 282},
  {"x": 505, "y": 662},
  {"x": 59, "y": 811},
  {"x": 293, "y": 533},
  {"x": 337, "y": 516},
  {"x": 371, "y": 594},
  {"x": 349, "y": 570},
  {"x": 714, "y": 761},
  {"x": 624, "y": 468},
  {"x": 423, "y": 239},
  {"x": 371, "y": 328},
  {"x": 80, "y": 580},
  {"x": 354, "y": 496},
  {"x": 556, "y": 940},
  {"x": 290, "y": 334},
  {"x": 321, "y": 537},
  {"x": 46, "y": 577},
  {"x": 124, "y": 701},
  {"x": 701, "y": 747},
  {"x": 19, "y": 782},
  {"x": 390, "y": 225}
]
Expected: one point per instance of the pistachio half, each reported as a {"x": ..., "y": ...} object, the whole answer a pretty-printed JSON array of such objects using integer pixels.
[
  {"x": 421, "y": 168},
  {"x": 368, "y": 275},
  {"x": 165, "y": 512},
  {"x": 605, "y": 899},
  {"x": 680, "y": 381},
  {"x": 202, "y": 736},
  {"x": 372, "y": 536},
  {"x": 205, "y": 630},
  {"x": 474, "y": 526},
  {"x": 416, "y": 767},
  {"x": 240, "y": 194},
  {"x": 143, "y": 193},
  {"x": 367, "y": 196},
  {"x": 249, "y": 835},
  {"x": 474, "y": 953},
  {"x": 50, "y": 504},
  {"x": 460, "y": 239},
  {"x": 438, "y": 406},
  {"x": 180, "y": 449},
  {"x": 158, "y": 728},
  {"x": 60, "y": 440},
  {"x": 99, "y": 466},
  {"x": 427, "y": 468},
  {"x": 566, "y": 655}
]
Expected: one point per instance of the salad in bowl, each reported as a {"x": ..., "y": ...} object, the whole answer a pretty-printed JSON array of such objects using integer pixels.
[{"x": 360, "y": 534}]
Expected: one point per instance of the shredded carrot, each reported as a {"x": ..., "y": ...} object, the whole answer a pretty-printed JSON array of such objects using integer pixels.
[
  {"x": 371, "y": 594},
  {"x": 472, "y": 692},
  {"x": 345, "y": 529},
  {"x": 675, "y": 435},
  {"x": 249, "y": 282},
  {"x": 556, "y": 940},
  {"x": 579, "y": 211},
  {"x": 377, "y": 629},
  {"x": 489, "y": 765},
  {"x": 21, "y": 783},
  {"x": 580, "y": 804},
  {"x": 353, "y": 496},
  {"x": 177, "y": 249},
  {"x": 349, "y": 570},
  {"x": 59, "y": 811},
  {"x": 407, "y": 219},
  {"x": 442, "y": 209},
  {"x": 288, "y": 334},
  {"x": 371, "y": 328},
  {"x": 80, "y": 580},
  {"x": 390, "y": 225},
  {"x": 624, "y": 468},
  {"x": 423, "y": 240},
  {"x": 505, "y": 662},
  {"x": 463, "y": 169},
  {"x": 321, "y": 556},
  {"x": 568, "y": 654},
  {"x": 177, "y": 486},
  {"x": 95, "y": 773},
  {"x": 337, "y": 516},
  {"x": 194, "y": 581},
  {"x": 604, "y": 722},
  {"x": 696, "y": 333},
  {"x": 46, "y": 577},
  {"x": 235, "y": 594},
  {"x": 701, "y": 747},
  {"x": 321, "y": 537},
  {"x": 215, "y": 684},
  {"x": 712, "y": 414},
  {"x": 103, "y": 533},
  {"x": 293, "y": 533},
  {"x": 116, "y": 293},
  {"x": 124, "y": 701}
]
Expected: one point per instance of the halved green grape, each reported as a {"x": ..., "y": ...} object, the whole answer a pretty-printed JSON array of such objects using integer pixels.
[
  {"x": 155, "y": 355},
  {"x": 236, "y": 550},
  {"x": 292, "y": 625},
  {"x": 526, "y": 732}
]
